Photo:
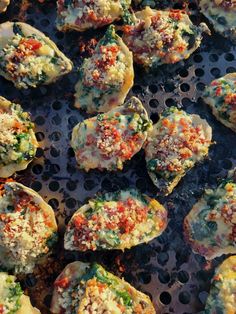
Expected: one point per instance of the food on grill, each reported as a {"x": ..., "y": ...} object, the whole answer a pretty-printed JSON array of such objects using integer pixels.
[
  {"x": 162, "y": 37},
  {"x": 117, "y": 220},
  {"x": 81, "y": 15},
  {"x": 12, "y": 299},
  {"x": 177, "y": 141},
  {"x": 221, "y": 14},
  {"x": 210, "y": 227},
  {"x": 88, "y": 288},
  {"x": 18, "y": 143},
  {"x": 27, "y": 227},
  {"x": 107, "y": 140},
  {"x": 28, "y": 58},
  {"x": 106, "y": 77},
  {"x": 221, "y": 97},
  {"x": 222, "y": 297},
  {"x": 3, "y": 5}
]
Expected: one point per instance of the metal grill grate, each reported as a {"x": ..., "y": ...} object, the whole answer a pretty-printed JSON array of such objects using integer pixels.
[{"x": 176, "y": 279}]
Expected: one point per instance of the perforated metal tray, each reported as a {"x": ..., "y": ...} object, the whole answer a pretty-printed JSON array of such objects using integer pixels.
[{"x": 177, "y": 280}]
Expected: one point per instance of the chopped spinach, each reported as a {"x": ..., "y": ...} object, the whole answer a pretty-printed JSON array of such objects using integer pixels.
[
  {"x": 52, "y": 240},
  {"x": 126, "y": 297}
]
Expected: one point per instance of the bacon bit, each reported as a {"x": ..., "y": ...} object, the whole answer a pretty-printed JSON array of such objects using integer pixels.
[
  {"x": 215, "y": 83},
  {"x": 166, "y": 122},
  {"x": 229, "y": 187},
  {"x": 127, "y": 29},
  {"x": 78, "y": 221},
  {"x": 87, "y": 46},
  {"x": 183, "y": 123},
  {"x": 121, "y": 267},
  {"x": 111, "y": 225},
  {"x": 92, "y": 16},
  {"x": 120, "y": 207},
  {"x": 218, "y": 91},
  {"x": 176, "y": 14},
  {"x": 185, "y": 153},
  {"x": 31, "y": 43},
  {"x": 216, "y": 277},
  {"x": 121, "y": 307},
  {"x": 94, "y": 283},
  {"x": 96, "y": 75},
  {"x": 90, "y": 139},
  {"x": 108, "y": 56},
  {"x": 62, "y": 283},
  {"x": 232, "y": 236},
  {"x": 48, "y": 221},
  {"x": 231, "y": 99},
  {"x": 138, "y": 309},
  {"x": 1, "y": 309},
  {"x": 181, "y": 48}
]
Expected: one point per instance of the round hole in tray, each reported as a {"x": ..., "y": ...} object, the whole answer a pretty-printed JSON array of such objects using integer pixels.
[
  {"x": 162, "y": 258},
  {"x": 184, "y": 297},
  {"x": 153, "y": 89},
  {"x": 154, "y": 117},
  {"x": 36, "y": 185},
  {"x": 144, "y": 277},
  {"x": 183, "y": 276},
  {"x": 165, "y": 297},
  {"x": 40, "y": 136},
  {"x": 163, "y": 276},
  {"x": 54, "y": 203},
  {"x": 153, "y": 103},
  {"x": 37, "y": 169},
  {"x": 71, "y": 185},
  {"x": 229, "y": 57},
  {"x": 54, "y": 186}
]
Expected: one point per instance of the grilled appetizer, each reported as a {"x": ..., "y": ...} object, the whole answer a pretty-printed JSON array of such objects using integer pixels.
[
  {"x": 106, "y": 77},
  {"x": 223, "y": 289},
  {"x": 27, "y": 227},
  {"x": 108, "y": 140},
  {"x": 117, "y": 220},
  {"x": 81, "y": 15},
  {"x": 221, "y": 97},
  {"x": 84, "y": 288},
  {"x": 3, "y": 5},
  {"x": 28, "y": 58},
  {"x": 162, "y": 37},
  {"x": 221, "y": 14},
  {"x": 12, "y": 299},
  {"x": 210, "y": 227},
  {"x": 18, "y": 143},
  {"x": 178, "y": 140}
]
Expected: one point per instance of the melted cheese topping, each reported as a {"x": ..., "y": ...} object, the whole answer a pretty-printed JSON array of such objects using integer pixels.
[
  {"x": 221, "y": 14},
  {"x": 221, "y": 96},
  {"x": 160, "y": 37},
  {"x": 81, "y": 15},
  {"x": 108, "y": 140},
  {"x": 177, "y": 142},
  {"x": 210, "y": 226},
  {"x": 17, "y": 139},
  {"x": 29, "y": 61},
  {"x": 96, "y": 291},
  {"x": 222, "y": 295},
  {"x": 115, "y": 221},
  {"x": 25, "y": 229},
  {"x": 106, "y": 77}
]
